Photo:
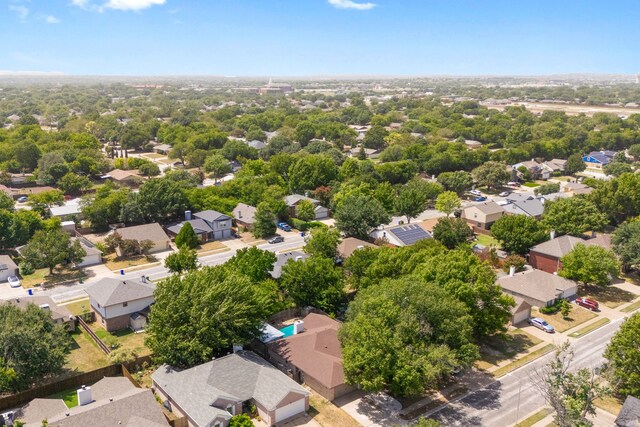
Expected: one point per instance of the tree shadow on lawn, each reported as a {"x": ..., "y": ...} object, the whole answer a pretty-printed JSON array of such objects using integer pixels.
[
  {"x": 500, "y": 347},
  {"x": 610, "y": 296}
]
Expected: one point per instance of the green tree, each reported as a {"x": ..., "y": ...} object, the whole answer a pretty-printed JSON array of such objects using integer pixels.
[
  {"x": 217, "y": 166},
  {"x": 518, "y": 233},
  {"x": 565, "y": 308},
  {"x": 314, "y": 281},
  {"x": 184, "y": 260},
  {"x": 49, "y": 248},
  {"x": 410, "y": 202},
  {"x": 74, "y": 184},
  {"x": 574, "y": 216},
  {"x": 491, "y": 174},
  {"x": 452, "y": 232},
  {"x": 448, "y": 202},
  {"x": 545, "y": 189},
  {"x": 32, "y": 344},
  {"x": 574, "y": 164},
  {"x": 40, "y": 202},
  {"x": 203, "y": 314},
  {"x": 187, "y": 237},
  {"x": 254, "y": 263},
  {"x": 241, "y": 420},
  {"x": 305, "y": 210},
  {"x": 626, "y": 243},
  {"x": 591, "y": 265},
  {"x": 322, "y": 242},
  {"x": 158, "y": 199},
  {"x": 358, "y": 215},
  {"x": 405, "y": 335},
  {"x": 105, "y": 208},
  {"x": 375, "y": 137},
  {"x": 6, "y": 202},
  {"x": 149, "y": 169},
  {"x": 624, "y": 358},
  {"x": 459, "y": 182},
  {"x": 264, "y": 224},
  {"x": 305, "y": 132},
  {"x": 312, "y": 171},
  {"x": 571, "y": 393},
  {"x": 634, "y": 151}
]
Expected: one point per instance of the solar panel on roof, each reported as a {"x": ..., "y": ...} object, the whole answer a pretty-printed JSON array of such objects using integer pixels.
[{"x": 411, "y": 233}]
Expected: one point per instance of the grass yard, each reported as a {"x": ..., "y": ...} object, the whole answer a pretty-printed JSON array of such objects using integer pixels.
[
  {"x": 85, "y": 354},
  {"x": 42, "y": 276},
  {"x": 631, "y": 307},
  {"x": 328, "y": 414},
  {"x": 531, "y": 184},
  {"x": 498, "y": 348},
  {"x": 610, "y": 296},
  {"x": 589, "y": 328},
  {"x": 113, "y": 262},
  {"x": 530, "y": 357},
  {"x": 486, "y": 240},
  {"x": 535, "y": 418},
  {"x": 79, "y": 307},
  {"x": 70, "y": 397},
  {"x": 210, "y": 246},
  {"x": 126, "y": 338},
  {"x": 611, "y": 404},
  {"x": 577, "y": 317},
  {"x": 153, "y": 156}
]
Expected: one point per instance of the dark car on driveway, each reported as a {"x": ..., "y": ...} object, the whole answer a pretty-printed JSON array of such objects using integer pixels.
[
  {"x": 588, "y": 303},
  {"x": 277, "y": 239}
]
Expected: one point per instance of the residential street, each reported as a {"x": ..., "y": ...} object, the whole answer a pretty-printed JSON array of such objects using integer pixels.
[{"x": 515, "y": 395}]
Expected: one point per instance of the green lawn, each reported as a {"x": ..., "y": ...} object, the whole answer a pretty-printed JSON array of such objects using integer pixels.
[
  {"x": 125, "y": 338},
  {"x": 530, "y": 357},
  {"x": 610, "y": 296},
  {"x": 535, "y": 418},
  {"x": 531, "y": 184},
  {"x": 42, "y": 276},
  {"x": 631, "y": 307},
  {"x": 70, "y": 397},
  {"x": 577, "y": 316},
  {"x": 498, "y": 348},
  {"x": 79, "y": 307},
  {"x": 590, "y": 328},
  {"x": 85, "y": 354},
  {"x": 486, "y": 240}
]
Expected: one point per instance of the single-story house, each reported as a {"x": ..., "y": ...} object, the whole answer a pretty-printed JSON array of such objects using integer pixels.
[
  {"x": 535, "y": 169},
  {"x": 483, "y": 215},
  {"x": 370, "y": 153},
  {"x": 555, "y": 165},
  {"x": 244, "y": 215},
  {"x": 162, "y": 148},
  {"x": 284, "y": 257},
  {"x": 472, "y": 145},
  {"x": 518, "y": 197},
  {"x": 258, "y": 145},
  {"x": 59, "y": 313},
  {"x": 546, "y": 255},
  {"x": 16, "y": 193},
  {"x": 521, "y": 312},
  {"x": 116, "y": 303},
  {"x": 533, "y": 208},
  {"x": 402, "y": 235},
  {"x": 69, "y": 211},
  {"x": 629, "y": 415},
  {"x": 575, "y": 188},
  {"x": 93, "y": 256},
  {"x": 350, "y": 244},
  {"x": 537, "y": 287},
  {"x": 112, "y": 401},
  {"x": 7, "y": 268},
  {"x": 313, "y": 356},
  {"x": 153, "y": 232},
  {"x": 208, "y": 395},
  {"x": 293, "y": 200},
  {"x": 130, "y": 178},
  {"x": 208, "y": 225},
  {"x": 598, "y": 159},
  {"x": 552, "y": 197}
]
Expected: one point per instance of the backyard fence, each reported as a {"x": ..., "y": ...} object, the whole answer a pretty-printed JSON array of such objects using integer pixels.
[{"x": 93, "y": 336}]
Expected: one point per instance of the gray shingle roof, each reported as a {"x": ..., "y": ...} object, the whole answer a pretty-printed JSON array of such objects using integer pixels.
[
  {"x": 7, "y": 263},
  {"x": 108, "y": 291},
  {"x": 294, "y": 199},
  {"x": 560, "y": 246},
  {"x": 629, "y": 415},
  {"x": 153, "y": 232},
  {"x": 283, "y": 258},
  {"x": 526, "y": 207},
  {"x": 536, "y": 284},
  {"x": 245, "y": 213},
  {"x": 488, "y": 208},
  {"x": 57, "y": 311},
  {"x": 199, "y": 226},
  {"x": 238, "y": 377},
  {"x": 211, "y": 216}
]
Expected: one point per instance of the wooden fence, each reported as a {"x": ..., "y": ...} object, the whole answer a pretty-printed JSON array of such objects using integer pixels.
[
  {"x": 76, "y": 381},
  {"x": 93, "y": 336}
]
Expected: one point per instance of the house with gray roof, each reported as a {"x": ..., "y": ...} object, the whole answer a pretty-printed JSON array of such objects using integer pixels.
[
  {"x": 208, "y": 395},
  {"x": 117, "y": 303},
  {"x": 7, "y": 268},
  {"x": 112, "y": 401},
  {"x": 244, "y": 215},
  {"x": 629, "y": 415},
  {"x": 293, "y": 200},
  {"x": 208, "y": 225},
  {"x": 546, "y": 255},
  {"x": 152, "y": 232},
  {"x": 283, "y": 258},
  {"x": 537, "y": 287},
  {"x": 483, "y": 215},
  {"x": 59, "y": 313},
  {"x": 533, "y": 208}
]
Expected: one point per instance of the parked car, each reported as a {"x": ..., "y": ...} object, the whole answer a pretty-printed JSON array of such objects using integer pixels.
[
  {"x": 22, "y": 199},
  {"x": 480, "y": 198},
  {"x": 284, "y": 226},
  {"x": 14, "y": 282},
  {"x": 277, "y": 239},
  {"x": 541, "y": 324},
  {"x": 504, "y": 194},
  {"x": 513, "y": 184},
  {"x": 588, "y": 303},
  {"x": 476, "y": 192}
]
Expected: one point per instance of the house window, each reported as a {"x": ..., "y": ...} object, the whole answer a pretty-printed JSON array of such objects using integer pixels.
[
  {"x": 231, "y": 409},
  {"x": 223, "y": 224},
  {"x": 124, "y": 304}
]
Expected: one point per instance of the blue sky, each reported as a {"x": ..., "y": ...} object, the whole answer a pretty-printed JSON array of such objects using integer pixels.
[{"x": 320, "y": 37}]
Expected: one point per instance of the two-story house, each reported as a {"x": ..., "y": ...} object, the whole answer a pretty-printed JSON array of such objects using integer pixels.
[
  {"x": 293, "y": 200},
  {"x": 483, "y": 215},
  {"x": 119, "y": 304},
  {"x": 208, "y": 225}
]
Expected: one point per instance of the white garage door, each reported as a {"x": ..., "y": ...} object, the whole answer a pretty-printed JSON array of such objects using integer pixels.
[
  {"x": 521, "y": 316},
  {"x": 290, "y": 410}
]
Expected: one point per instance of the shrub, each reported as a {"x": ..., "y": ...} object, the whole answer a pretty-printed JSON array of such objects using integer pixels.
[
  {"x": 123, "y": 356},
  {"x": 552, "y": 309},
  {"x": 26, "y": 268},
  {"x": 111, "y": 341},
  {"x": 513, "y": 261}
]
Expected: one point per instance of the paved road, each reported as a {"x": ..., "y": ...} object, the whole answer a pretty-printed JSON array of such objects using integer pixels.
[
  {"x": 73, "y": 291},
  {"x": 515, "y": 395}
]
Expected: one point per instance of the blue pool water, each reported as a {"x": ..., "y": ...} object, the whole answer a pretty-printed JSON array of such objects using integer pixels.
[{"x": 287, "y": 331}]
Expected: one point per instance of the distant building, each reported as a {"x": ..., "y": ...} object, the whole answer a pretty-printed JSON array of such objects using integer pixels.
[
  {"x": 598, "y": 159},
  {"x": 275, "y": 88}
]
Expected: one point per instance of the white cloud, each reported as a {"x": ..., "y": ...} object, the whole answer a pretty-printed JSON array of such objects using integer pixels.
[
  {"x": 21, "y": 11},
  {"x": 50, "y": 19},
  {"x": 79, "y": 3},
  {"x": 132, "y": 4},
  {"x": 349, "y": 4}
]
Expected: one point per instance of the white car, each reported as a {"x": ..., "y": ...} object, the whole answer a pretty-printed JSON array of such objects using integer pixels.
[
  {"x": 476, "y": 192},
  {"x": 504, "y": 194},
  {"x": 14, "y": 282}
]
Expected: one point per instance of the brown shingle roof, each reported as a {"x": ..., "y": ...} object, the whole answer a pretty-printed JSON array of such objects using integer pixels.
[
  {"x": 315, "y": 351},
  {"x": 560, "y": 246},
  {"x": 536, "y": 284},
  {"x": 153, "y": 232},
  {"x": 350, "y": 245}
]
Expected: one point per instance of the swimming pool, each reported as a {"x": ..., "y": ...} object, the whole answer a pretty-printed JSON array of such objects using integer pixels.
[{"x": 287, "y": 331}]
